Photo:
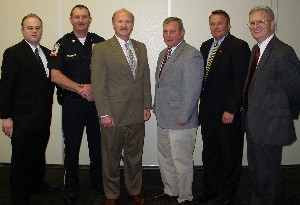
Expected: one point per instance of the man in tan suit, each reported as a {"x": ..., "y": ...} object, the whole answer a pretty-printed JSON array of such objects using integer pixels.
[{"x": 122, "y": 92}]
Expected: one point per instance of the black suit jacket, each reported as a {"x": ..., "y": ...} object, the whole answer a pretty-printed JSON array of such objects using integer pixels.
[
  {"x": 223, "y": 89},
  {"x": 26, "y": 93}
]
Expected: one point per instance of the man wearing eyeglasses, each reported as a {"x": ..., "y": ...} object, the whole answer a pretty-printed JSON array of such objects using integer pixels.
[
  {"x": 226, "y": 59},
  {"x": 271, "y": 102},
  {"x": 70, "y": 62},
  {"x": 26, "y": 94}
]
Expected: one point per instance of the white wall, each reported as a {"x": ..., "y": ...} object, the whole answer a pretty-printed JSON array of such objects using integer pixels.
[{"x": 149, "y": 15}]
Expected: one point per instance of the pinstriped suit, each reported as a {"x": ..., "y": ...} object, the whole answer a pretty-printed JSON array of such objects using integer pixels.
[{"x": 273, "y": 102}]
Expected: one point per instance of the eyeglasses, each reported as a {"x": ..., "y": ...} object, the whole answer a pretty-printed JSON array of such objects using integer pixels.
[
  {"x": 31, "y": 28},
  {"x": 252, "y": 24}
]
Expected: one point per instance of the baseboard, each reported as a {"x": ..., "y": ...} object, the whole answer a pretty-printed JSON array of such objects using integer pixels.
[{"x": 60, "y": 166}]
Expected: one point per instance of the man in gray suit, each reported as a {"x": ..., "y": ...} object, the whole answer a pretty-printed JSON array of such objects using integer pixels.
[
  {"x": 271, "y": 101},
  {"x": 121, "y": 88},
  {"x": 178, "y": 79}
]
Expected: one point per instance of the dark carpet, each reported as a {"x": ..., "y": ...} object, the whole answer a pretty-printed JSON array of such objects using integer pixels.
[{"x": 151, "y": 185}]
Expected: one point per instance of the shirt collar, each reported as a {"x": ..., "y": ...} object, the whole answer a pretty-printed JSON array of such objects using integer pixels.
[
  {"x": 122, "y": 42},
  {"x": 32, "y": 47},
  {"x": 174, "y": 48},
  {"x": 264, "y": 44},
  {"x": 221, "y": 40}
]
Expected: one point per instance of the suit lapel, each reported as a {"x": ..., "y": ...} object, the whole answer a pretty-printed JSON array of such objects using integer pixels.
[
  {"x": 264, "y": 57},
  {"x": 168, "y": 66},
  {"x": 117, "y": 49},
  {"x": 138, "y": 58},
  {"x": 218, "y": 55},
  {"x": 33, "y": 59}
]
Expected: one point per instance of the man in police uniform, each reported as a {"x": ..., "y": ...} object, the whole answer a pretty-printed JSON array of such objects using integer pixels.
[{"x": 70, "y": 69}]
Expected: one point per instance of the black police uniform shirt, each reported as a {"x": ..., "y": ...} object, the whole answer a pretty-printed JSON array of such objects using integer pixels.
[{"x": 73, "y": 58}]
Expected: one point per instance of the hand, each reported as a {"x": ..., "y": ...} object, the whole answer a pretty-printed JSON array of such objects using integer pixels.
[
  {"x": 107, "y": 121},
  {"x": 147, "y": 114},
  {"x": 179, "y": 122},
  {"x": 7, "y": 126},
  {"x": 86, "y": 92},
  {"x": 227, "y": 118}
]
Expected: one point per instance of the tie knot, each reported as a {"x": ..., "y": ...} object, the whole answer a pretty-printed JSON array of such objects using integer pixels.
[
  {"x": 216, "y": 44},
  {"x": 127, "y": 45},
  {"x": 36, "y": 51},
  {"x": 169, "y": 51}
]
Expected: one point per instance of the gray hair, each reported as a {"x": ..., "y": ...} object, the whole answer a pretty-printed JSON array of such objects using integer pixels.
[
  {"x": 172, "y": 19},
  {"x": 267, "y": 9}
]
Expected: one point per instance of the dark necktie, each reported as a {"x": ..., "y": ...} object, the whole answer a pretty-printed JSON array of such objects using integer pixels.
[
  {"x": 36, "y": 52},
  {"x": 210, "y": 60},
  {"x": 131, "y": 59},
  {"x": 164, "y": 60},
  {"x": 250, "y": 76}
]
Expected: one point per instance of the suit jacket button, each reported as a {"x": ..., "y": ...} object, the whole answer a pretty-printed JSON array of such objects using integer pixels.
[{"x": 157, "y": 86}]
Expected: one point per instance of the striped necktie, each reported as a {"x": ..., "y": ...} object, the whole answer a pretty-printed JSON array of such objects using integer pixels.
[
  {"x": 164, "y": 60},
  {"x": 131, "y": 59},
  {"x": 211, "y": 58}
]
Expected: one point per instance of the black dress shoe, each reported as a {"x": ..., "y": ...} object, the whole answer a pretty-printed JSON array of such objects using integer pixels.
[
  {"x": 51, "y": 188},
  {"x": 186, "y": 202},
  {"x": 46, "y": 188},
  {"x": 162, "y": 195},
  {"x": 228, "y": 201},
  {"x": 70, "y": 198},
  {"x": 204, "y": 198}
]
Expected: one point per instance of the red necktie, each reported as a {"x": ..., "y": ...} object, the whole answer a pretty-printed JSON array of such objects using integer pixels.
[
  {"x": 252, "y": 71},
  {"x": 164, "y": 60}
]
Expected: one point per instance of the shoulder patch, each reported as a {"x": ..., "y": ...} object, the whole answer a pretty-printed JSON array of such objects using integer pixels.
[{"x": 54, "y": 51}]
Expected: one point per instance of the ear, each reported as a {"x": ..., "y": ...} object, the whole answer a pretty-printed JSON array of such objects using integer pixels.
[
  {"x": 273, "y": 24},
  {"x": 182, "y": 32}
]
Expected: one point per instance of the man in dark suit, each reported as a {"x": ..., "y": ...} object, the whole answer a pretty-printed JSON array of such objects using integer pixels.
[
  {"x": 122, "y": 92},
  {"x": 26, "y": 94},
  {"x": 178, "y": 73},
  {"x": 271, "y": 101},
  {"x": 226, "y": 60}
]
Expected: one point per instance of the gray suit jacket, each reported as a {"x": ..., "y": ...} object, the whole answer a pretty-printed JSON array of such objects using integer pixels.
[
  {"x": 115, "y": 90},
  {"x": 178, "y": 88},
  {"x": 274, "y": 95}
]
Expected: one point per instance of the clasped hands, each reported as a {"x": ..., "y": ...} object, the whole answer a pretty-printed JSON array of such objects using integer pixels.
[{"x": 86, "y": 91}]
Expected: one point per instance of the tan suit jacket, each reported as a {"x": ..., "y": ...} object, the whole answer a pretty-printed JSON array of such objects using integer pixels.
[{"x": 116, "y": 91}]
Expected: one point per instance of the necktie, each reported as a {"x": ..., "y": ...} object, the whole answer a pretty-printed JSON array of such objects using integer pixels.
[
  {"x": 164, "y": 60},
  {"x": 211, "y": 58},
  {"x": 131, "y": 59},
  {"x": 36, "y": 52},
  {"x": 250, "y": 76}
]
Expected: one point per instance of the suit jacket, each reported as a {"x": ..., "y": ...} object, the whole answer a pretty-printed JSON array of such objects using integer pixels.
[
  {"x": 223, "y": 88},
  {"x": 115, "y": 90},
  {"x": 26, "y": 93},
  {"x": 274, "y": 95},
  {"x": 178, "y": 88}
]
